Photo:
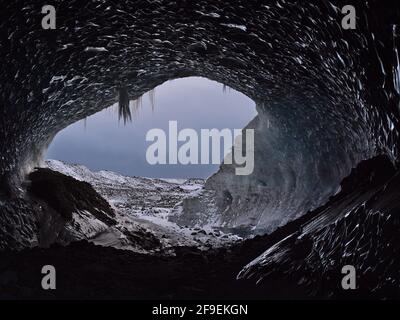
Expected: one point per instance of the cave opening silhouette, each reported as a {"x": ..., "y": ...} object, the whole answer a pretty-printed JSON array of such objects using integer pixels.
[{"x": 116, "y": 138}]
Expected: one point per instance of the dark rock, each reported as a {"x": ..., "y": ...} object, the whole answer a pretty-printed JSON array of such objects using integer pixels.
[{"x": 67, "y": 195}]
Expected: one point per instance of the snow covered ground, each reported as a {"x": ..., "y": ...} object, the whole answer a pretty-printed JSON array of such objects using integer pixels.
[{"x": 144, "y": 208}]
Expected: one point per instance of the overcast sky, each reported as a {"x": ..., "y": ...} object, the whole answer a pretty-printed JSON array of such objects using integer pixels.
[{"x": 107, "y": 144}]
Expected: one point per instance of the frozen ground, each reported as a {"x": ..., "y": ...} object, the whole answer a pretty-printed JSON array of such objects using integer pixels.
[{"x": 144, "y": 208}]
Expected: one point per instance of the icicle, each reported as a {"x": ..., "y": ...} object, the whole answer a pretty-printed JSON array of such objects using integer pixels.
[
  {"x": 136, "y": 105},
  {"x": 225, "y": 88},
  {"x": 123, "y": 111},
  {"x": 152, "y": 94}
]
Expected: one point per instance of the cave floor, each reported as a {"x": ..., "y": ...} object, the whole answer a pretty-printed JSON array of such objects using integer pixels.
[{"x": 87, "y": 271}]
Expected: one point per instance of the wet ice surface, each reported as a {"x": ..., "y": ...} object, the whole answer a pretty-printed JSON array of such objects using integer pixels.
[{"x": 144, "y": 208}]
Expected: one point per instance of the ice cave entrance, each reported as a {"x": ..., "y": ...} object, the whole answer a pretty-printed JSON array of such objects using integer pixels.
[{"x": 105, "y": 142}]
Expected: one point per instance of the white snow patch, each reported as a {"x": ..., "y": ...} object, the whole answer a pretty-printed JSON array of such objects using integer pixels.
[{"x": 140, "y": 204}]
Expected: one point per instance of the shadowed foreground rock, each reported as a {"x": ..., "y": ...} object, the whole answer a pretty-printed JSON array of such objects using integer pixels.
[
  {"x": 67, "y": 195},
  {"x": 60, "y": 202}
]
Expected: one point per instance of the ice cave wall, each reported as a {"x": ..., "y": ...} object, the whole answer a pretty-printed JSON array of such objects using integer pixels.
[{"x": 326, "y": 97}]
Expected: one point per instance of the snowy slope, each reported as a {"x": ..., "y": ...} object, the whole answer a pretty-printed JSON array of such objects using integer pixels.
[{"x": 144, "y": 209}]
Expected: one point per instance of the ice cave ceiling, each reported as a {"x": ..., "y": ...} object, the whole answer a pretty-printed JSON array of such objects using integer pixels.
[{"x": 327, "y": 98}]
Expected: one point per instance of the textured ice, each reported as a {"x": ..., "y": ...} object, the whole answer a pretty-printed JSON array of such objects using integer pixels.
[{"x": 316, "y": 119}]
